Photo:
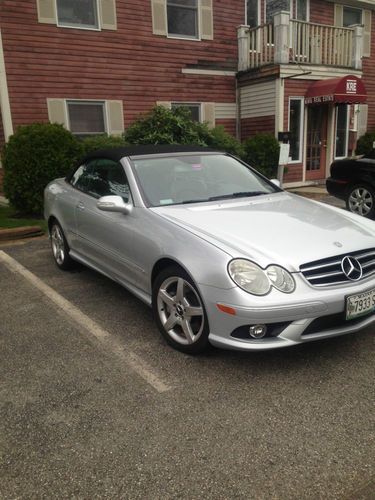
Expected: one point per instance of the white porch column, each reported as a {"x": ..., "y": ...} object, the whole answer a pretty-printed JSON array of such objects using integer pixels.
[
  {"x": 281, "y": 22},
  {"x": 243, "y": 48},
  {"x": 357, "y": 47},
  {"x": 4, "y": 97}
]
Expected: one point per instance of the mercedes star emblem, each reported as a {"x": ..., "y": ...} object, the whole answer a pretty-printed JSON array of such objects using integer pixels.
[{"x": 351, "y": 268}]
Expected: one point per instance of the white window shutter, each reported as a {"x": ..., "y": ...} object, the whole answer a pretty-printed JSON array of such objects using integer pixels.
[
  {"x": 208, "y": 113},
  {"x": 57, "y": 111},
  {"x": 339, "y": 15},
  {"x": 366, "y": 20},
  {"x": 362, "y": 120},
  {"x": 159, "y": 17},
  {"x": 206, "y": 20},
  {"x": 107, "y": 12},
  {"x": 115, "y": 114},
  {"x": 47, "y": 11},
  {"x": 165, "y": 104}
]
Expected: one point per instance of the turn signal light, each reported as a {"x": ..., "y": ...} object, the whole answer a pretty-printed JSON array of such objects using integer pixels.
[{"x": 226, "y": 309}]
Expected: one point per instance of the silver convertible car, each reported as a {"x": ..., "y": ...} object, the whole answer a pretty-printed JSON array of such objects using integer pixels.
[{"x": 223, "y": 255}]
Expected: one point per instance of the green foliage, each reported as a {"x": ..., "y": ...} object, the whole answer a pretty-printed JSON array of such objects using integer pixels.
[
  {"x": 175, "y": 126},
  {"x": 221, "y": 140},
  {"x": 262, "y": 153},
  {"x": 167, "y": 126},
  {"x": 365, "y": 144},
  {"x": 35, "y": 155},
  {"x": 97, "y": 142}
]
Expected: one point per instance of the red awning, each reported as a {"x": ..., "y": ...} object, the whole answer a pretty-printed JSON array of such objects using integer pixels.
[{"x": 348, "y": 90}]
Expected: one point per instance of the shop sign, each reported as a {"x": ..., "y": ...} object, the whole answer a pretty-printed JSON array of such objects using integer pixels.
[{"x": 320, "y": 99}]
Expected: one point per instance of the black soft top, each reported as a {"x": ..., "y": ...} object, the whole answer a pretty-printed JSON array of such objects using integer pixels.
[{"x": 149, "y": 149}]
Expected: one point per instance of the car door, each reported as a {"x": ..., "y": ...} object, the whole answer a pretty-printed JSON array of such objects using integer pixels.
[{"x": 105, "y": 238}]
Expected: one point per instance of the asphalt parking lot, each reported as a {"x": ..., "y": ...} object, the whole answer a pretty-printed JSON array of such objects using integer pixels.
[{"x": 94, "y": 404}]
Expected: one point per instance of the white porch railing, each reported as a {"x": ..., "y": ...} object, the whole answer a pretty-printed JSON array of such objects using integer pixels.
[
  {"x": 291, "y": 41},
  {"x": 320, "y": 44}
]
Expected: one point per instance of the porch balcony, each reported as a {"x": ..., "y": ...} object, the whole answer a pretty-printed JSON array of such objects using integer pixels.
[{"x": 289, "y": 41}]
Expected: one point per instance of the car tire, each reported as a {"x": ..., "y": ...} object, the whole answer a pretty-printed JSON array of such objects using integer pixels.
[
  {"x": 179, "y": 311},
  {"x": 360, "y": 200},
  {"x": 60, "y": 247}
]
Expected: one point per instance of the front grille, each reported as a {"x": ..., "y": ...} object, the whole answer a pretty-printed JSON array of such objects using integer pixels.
[{"x": 327, "y": 272}]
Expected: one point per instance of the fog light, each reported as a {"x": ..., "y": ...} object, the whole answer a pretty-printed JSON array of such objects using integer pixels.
[{"x": 257, "y": 331}]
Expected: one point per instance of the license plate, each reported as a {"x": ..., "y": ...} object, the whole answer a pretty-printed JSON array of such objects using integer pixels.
[{"x": 360, "y": 304}]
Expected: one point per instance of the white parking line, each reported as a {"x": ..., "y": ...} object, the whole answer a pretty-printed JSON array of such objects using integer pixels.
[{"x": 111, "y": 343}]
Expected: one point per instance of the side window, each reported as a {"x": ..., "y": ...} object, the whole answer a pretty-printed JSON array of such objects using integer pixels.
[
  {"x": 108, "y": 178},
  {"x": 82, "y": 176}
]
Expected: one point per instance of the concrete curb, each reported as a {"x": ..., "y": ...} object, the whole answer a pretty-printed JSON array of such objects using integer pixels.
[{"x": 18, "y": 233}]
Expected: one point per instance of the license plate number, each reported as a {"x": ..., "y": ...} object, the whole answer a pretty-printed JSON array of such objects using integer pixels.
[{"x": 360, "y": 304}]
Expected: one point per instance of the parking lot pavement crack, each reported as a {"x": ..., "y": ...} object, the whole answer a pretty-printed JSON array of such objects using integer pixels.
[{"x": 132, "y": 360}]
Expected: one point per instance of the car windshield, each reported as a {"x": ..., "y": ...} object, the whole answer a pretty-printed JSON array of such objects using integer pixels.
[{"x": 197, "y": 178}]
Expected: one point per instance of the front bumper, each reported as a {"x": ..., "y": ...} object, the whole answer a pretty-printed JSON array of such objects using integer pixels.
[
  {"x": 337, "y": 187},
  {"x": 305, "y": 316}
]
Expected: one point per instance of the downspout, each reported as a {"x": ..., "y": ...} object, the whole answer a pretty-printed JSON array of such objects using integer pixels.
[{"x": 4, "y": 97}]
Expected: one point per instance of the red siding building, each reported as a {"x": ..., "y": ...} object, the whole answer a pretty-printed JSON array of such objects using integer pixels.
[{"x": 94, "y": 65}]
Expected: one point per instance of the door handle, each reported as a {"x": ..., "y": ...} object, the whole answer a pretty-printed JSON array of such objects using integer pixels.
[{"x": 81, "y": 206}]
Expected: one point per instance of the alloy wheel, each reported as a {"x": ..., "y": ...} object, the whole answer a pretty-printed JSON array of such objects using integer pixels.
[
  {"x": 360, "y": 201},
  {"x": 58, "y": 245},
  {"x": 180, "y": 310}
]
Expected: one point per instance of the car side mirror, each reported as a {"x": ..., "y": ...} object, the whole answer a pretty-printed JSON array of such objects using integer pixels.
[
  {"x": 276, "y": 182},
  {"x": 114, "y": 204}
]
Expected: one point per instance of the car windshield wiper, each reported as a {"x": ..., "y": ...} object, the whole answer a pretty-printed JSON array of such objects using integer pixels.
[
  {"x": 239, "y": 194},
  {"x": 197, "y": 200}
]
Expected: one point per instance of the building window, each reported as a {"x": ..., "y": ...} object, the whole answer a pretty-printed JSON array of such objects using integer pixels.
[
  {"x": 82, "y": 14},
  {"x": 194, "y": 108},
  {"x": 351, "y": 16},
  {"x": 342, "y": 130},
  {"x": 252, "y": 13},
  {"x": 296, "y": 128},
  {"x": 302, "y": 10},
  {"x": 183, "y": 18},
  {"x": 275, "y": 6},
  {"x": 86, "y": 117}
]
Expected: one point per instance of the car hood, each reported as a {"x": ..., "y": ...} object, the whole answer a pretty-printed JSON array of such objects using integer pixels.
[{"x": 280, "y": 228}]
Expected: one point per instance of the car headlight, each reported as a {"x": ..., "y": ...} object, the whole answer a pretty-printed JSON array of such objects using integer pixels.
[
  {"x": 249, "y": 277},
  {"x": 281, "y": 279},
  {"x": 253, "y": 279}
]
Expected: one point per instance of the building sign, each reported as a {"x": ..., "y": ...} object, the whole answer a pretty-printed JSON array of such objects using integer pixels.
[
  {"x": 347, "y": 90},
  {"x": 319, "y": 99}
]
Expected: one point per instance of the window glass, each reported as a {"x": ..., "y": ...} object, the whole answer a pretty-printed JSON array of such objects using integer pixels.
[
  {"x": 86, "y": 118},
  {"x": 252, "y": 17},
  {"x": 341, "y": 131},
  {"x": 102, "y": 177},
  {"x": 81, "y": 13},
  {"x": 82, "y": 176},
  {"x": 183, "y": 18},
  {"x": 195, "y": 109},
  {"x": 184, "y": 179},
  {"x": 301, "y": 10},
  {"x": 275, "y": 6},
  {"x": 295, "y": 128},
  {"x": 351, "y": 16}
]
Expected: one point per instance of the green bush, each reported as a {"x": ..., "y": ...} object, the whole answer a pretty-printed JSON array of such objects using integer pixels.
[
  {"x": 262, "y": 153},
  {"x": 167, "y": 126},
  {"x": 175, "y": 126},
  {"x": 35, "y": 155},
  {"x": 365, "y": 144},
  {"x": 97, "y": 142},
  {"x": 221, "y": 140}
]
